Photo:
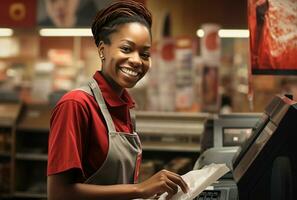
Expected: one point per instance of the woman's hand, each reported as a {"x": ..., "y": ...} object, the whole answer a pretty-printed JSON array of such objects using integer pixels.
[{"x": 163, "y": 181}]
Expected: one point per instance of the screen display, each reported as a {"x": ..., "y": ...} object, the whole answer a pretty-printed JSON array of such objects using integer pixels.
[
  {"x": 234, "y": 129},
  {"x": 235, "y": 136}
]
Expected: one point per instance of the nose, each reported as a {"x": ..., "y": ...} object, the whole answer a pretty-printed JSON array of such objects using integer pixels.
[{"x": 135, "y": 59}]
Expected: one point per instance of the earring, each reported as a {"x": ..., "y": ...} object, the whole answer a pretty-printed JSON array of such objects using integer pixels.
[{"x": 102, "y": 57}]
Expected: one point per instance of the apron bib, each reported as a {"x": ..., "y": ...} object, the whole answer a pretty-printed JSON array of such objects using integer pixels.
[{"x": 123, "y": 159}]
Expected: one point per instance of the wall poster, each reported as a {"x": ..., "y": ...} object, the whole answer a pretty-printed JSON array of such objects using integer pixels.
[{"x": 273, "y": 36}]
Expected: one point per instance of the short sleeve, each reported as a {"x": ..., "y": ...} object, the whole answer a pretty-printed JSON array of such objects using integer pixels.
[{"x": 68, "y": 125}]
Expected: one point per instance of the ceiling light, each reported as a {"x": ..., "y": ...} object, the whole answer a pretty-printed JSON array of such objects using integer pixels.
[
  {"x": 65, "y": 32},
  {"x": 233, "y": 33},
  {"x": 6, "y": 32},
  {"x": 228, "y": 33},
  {"x": 200, "y": 33}
]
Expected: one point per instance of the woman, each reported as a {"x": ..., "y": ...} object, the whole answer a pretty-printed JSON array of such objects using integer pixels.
[{"x": 93, "y": 152}]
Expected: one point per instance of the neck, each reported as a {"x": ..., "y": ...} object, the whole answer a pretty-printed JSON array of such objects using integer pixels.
[{"x": 118, "y": 89}]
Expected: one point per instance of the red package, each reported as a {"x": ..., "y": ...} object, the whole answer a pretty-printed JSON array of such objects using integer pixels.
[{"x": 273, "y": 36}]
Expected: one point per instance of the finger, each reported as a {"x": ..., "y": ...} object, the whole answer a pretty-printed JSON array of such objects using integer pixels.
[
  {"x": 176, "y": 178},
  {"x": 170, "y": 187},
  {"x": 173, "y": 186},
  {"x": 179, "y": 181}
]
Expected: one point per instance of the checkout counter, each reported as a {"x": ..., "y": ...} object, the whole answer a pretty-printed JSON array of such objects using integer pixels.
[{"x": 264, "y": 166}]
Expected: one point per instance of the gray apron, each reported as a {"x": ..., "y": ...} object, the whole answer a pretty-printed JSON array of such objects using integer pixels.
[{"x": 123, "y": 159}]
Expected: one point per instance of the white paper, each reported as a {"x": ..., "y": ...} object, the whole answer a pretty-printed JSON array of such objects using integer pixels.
[{"x": 199, "y": 180}]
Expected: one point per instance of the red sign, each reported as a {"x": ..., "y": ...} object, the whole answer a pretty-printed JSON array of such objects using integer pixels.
[
  {"x": 273, "y": 36},
  {"x": 18, "y": 13}
]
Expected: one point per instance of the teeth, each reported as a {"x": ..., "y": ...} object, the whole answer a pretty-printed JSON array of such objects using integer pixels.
[{"x": 130, "y": 72}]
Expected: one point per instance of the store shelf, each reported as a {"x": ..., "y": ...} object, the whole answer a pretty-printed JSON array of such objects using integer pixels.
[
  {"x": 5, "y": 154},
  {"x": 20, "y": 194},
  {"x": 22, "y": 129},
  {"x": 170, "y": 131},
  {"x": 19, "y": 58},
  {"x": 170, "y": 148},
  {"x": 169, "y": 123},
  {"x": 36, "y": 119},
  {"x": 36, "y": 129},
  {"x": 169, "y": 128},
  {"x": 6, "y": 122},
  {"x": 4, "y": 195},
  {"x": 9, "y": 113},
  {"x": 31, "y": 156},
  {"x": 170, "y": 140}
]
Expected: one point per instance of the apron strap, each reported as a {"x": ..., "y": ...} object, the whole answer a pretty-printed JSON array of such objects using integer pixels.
[
  {"x": 133, "y": 118},
  {"x": 88, "y": 89},
  {"x": 99, "y": 98}
]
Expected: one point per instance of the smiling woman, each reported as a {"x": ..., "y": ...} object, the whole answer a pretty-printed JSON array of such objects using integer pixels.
[
  {"x": 93, "y": 151},
  {"x": 127, "y": 57}
]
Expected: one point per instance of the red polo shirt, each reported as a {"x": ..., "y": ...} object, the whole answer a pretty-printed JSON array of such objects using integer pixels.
[{"x": 78, "y": 134}]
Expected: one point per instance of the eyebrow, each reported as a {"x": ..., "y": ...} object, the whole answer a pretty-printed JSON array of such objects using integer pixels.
[{"x": 132, "y": 43}]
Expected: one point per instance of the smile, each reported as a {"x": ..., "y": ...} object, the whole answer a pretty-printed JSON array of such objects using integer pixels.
[{"x": 129, "y": 72}]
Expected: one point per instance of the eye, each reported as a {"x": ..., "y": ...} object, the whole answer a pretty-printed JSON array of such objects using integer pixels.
[
  {"x": 145, "y": 55},
  {"x": 125, "y": 49}
]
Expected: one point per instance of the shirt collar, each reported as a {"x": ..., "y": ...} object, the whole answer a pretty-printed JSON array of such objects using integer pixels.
[{"x": 110, "y": 96}]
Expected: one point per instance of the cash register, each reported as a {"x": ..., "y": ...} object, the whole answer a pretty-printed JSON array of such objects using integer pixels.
[
  {"x": 265, "y": 165},
  {"x": 229, "y": 132}
]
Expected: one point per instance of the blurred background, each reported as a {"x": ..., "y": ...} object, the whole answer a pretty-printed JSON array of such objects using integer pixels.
[
  {"x": 35, "y": 64},
  {"x": 200, "y": 69}
]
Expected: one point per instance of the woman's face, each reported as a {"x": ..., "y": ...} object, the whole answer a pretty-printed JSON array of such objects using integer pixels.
[{"x": 127, "y": 57}]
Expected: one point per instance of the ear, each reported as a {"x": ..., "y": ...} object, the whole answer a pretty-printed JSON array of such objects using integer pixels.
[{"x": 101, "y": 47}]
